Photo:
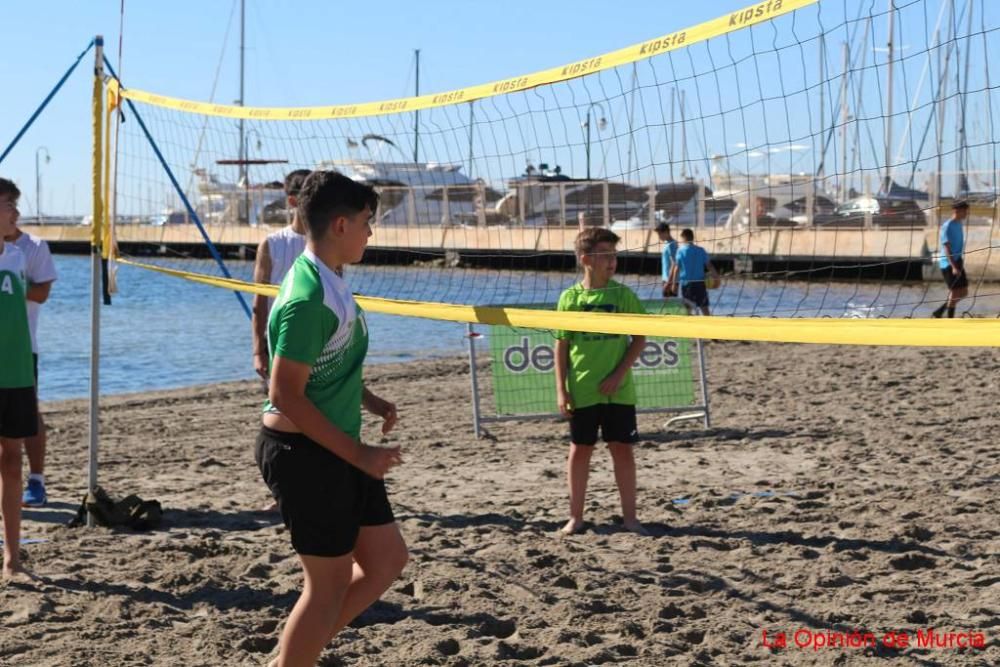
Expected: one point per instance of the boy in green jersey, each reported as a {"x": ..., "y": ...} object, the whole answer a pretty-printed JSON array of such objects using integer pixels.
[
  {"x": 327, "y": 483},
  {"x": 594, "y": 387},
  {"x": 18, "y": 403}
]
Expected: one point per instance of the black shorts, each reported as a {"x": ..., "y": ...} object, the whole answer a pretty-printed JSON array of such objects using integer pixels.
[
  {"x": 18, "y": 413},
  {"x": 34, "y": 359},
  {"x": 616, "y": 422},
  {"x": 323, "y": 500},
  {"x": 696, "y": 294},
  {"x": 949, "y": 276}
]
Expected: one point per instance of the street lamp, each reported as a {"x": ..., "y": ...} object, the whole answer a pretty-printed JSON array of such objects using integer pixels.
[
  {"x": 601, "y": 124},
  {"x": 38, "y": 181}
]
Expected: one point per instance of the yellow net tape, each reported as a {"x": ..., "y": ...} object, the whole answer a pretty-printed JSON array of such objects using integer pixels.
[
  {"x": 112, "y": 94},
  {"x": 96, "y": 228},
  {"x": 743, "y": 18},
  {"x": 894, "y": 332}
]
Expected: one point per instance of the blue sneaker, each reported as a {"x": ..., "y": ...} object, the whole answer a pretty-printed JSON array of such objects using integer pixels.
[{"x": 34, "y": 494}]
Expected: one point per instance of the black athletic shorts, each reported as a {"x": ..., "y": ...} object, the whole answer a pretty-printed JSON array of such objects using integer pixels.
[
  {"x": 323, "y": 500},
  {"x": 18, "y": 413},
  {"x": 615, "y": 421},
  {"x": 696, "y": 294},
  {"x": 949, "y": 276}
]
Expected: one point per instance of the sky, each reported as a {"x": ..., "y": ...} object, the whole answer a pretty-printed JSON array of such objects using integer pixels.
[{"x": 297, "y": 54}]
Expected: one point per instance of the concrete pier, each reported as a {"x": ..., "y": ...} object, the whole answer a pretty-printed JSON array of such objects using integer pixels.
[{"x": 907, "y": 253}]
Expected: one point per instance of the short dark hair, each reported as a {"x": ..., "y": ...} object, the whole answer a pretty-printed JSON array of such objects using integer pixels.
[
  {"x": 329, "y": 194},
  {"x": 687, "y": 235},
  {"x": 663, "y": 227},
  {"x": 588, "y": 239},
  {"x": 8, "y": 187},
  {"x": 294, "y": 181},
  {"x": 959, "y": 203}
]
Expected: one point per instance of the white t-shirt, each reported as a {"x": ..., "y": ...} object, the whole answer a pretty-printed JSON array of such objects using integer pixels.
[
  {"x": 39, "y": 268},
  {"x": 284, "y": 246}
]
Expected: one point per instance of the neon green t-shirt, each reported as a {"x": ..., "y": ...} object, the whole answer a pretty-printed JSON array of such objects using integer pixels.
[
  {"x": 593, "y": 356},
  {"x": 17, "y": 370},
  {"x": 316, "y": 321}
]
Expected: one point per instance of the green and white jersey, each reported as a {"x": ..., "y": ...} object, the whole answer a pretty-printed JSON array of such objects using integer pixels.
[
  {"x": 17, "y": 369},
  {"x": 316, "y": 321},
  {"x": 594, "y": 356}
]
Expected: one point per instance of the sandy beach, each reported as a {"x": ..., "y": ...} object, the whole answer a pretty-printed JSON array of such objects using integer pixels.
[{"x": 839, "y": 489}]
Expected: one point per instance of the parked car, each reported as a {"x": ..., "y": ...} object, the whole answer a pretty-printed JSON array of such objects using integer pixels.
[{"x": 885, "y": 212}]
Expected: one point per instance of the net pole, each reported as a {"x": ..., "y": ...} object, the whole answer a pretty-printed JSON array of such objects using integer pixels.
[
  {"x": 704, "y": 382},
  {"x": 474, "y": 375},
  {"x": 95, "y": 267}
]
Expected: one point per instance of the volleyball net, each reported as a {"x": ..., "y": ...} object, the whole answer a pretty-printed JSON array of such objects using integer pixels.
[{"x": 813, "y": 162}]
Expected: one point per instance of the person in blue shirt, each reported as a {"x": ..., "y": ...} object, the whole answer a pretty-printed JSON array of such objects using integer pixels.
[
  {"x": 667, "y": 258},
  {"x": 688, "y": 270},
  {"x": 952, "y": 248}
]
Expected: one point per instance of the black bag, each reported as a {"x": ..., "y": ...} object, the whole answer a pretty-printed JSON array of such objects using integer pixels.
[{"x": 131, "y": 511}]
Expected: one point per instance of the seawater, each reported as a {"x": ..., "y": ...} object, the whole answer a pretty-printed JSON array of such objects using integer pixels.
[{"x": 162, "y": 332}]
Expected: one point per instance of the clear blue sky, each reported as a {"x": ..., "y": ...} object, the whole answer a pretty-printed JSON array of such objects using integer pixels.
[{"x": 308, "y": 52}]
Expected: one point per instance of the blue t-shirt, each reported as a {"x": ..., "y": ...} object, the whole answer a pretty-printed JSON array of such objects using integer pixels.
[
  {"x": 669, "y": 251},
  {"x": 691, "y": 262},
  {"x": 951, "y": 233}
]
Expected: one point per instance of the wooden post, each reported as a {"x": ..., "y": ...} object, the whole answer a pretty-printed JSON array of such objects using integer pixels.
[
  {"x": 562, "y": 205},
  {"x": 607, "y": 204},
  {"x": 446, "y": 205},
  {"x": 868, "y": 194},
  {"x": 700, "y": 221},
  {"x": 651, "y": 205}
]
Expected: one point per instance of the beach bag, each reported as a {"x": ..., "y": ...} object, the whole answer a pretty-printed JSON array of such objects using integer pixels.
[{"x": 130, "y": 512}]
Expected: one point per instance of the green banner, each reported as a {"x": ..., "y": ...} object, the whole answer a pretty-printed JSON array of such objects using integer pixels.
[{"x": 523, "y": 363}]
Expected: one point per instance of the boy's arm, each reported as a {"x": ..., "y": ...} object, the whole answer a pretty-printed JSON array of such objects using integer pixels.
[
  {"x": 41, "y": 274},
  {"x": 712, "y": 271},
  {"x": 951, "y": 260},
  {"x": 562, "y": 366},
  {"x": 673, "y": 273},
  {"x": 610, "y": 384},
  {"x": 261, "y": 308},
  {"x": 381, "y": 407},
  {"x": 39, "y": 292},
  {"x": 287, "y": 392}
]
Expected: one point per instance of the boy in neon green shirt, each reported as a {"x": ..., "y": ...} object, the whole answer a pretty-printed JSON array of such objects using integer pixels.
[{"x": 594, "y": 386}]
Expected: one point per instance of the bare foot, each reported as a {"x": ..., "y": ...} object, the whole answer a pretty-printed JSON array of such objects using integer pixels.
[
  {"x": 270, "y": 507},
  {"x": 572, "y": 527},
  {"x": 17, "y": 574},
  {"x": 635, "y": 527}
]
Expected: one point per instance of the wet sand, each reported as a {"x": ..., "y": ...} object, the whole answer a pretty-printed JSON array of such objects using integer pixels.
[{"x": 838, "y": 489}]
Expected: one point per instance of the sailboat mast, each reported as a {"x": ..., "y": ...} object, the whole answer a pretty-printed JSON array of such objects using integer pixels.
[
  {"x": 243, "y": 142},
  {"x": 684, "y": 143},
  {"x": 416, "y": 114},
  {"x": 844, "y": 118},
  {"x": 822, "y": 111},
  {"x": 963, "y": 146},
  {"x": 888, "y": 103},
  {"x": 673, "y": 146}
]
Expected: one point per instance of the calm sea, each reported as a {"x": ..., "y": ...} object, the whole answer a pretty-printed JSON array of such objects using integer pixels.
[{"x": 163, "y": 332}]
